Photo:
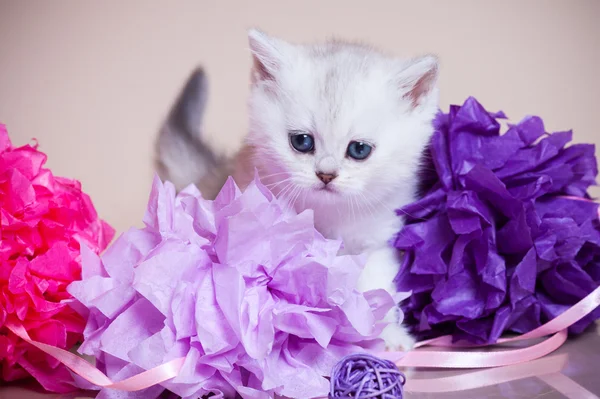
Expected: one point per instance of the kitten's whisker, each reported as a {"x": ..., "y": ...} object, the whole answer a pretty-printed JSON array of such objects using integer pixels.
[
  {"x": 278, "y": 182},
  {"x": 383, "y": 204},
  {"x": 352, "y": 208},
  {"x": 300, "y": 190},
  {"x": 275, "y": 174},
  {"x": 288, "y": 191},
  {"x": 288, "y": 195},
  {"x": 296, "y": 196},
  {"x": 362, "y": 194},
  {"x": 282, "y": 193},
  {"x": 358, "y": 208},
  {"x": 347, "y": 204},
  {"x": 365, "y": 206},
  {"x": 368, "y": 203},
  {"x": 400, "y": 232},
  {"x": 389, "y": 209},
  {"x": 304, "y": 200},
  {"x": 391, "y": 190},
  {"x": 272, "y": 186},
  {"x": 406, "y": 213}
]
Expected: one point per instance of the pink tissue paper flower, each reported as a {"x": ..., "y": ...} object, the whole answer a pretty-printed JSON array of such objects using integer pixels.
[
  {"x": 255, "y": 299},
  {"x": 43, "y": 219}
]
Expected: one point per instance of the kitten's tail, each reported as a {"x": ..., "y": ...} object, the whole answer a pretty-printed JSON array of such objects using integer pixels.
[{"x": 182, "y": 155}]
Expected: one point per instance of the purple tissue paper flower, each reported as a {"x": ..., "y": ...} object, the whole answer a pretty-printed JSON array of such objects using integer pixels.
[
  {"x": 253, "y": 297},
  {"x": 505, "y": 238}
]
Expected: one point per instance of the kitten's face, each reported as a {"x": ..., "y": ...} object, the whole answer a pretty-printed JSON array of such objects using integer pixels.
[{"x": 338, "y": 124}]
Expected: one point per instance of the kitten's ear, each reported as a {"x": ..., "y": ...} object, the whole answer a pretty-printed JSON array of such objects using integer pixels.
[
  {"x": 268, "y": 55},
  {"x": 418, "y": 78}
]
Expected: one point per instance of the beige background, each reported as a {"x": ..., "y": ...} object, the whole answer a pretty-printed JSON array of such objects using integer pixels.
[{"x": 92, "y": 80}]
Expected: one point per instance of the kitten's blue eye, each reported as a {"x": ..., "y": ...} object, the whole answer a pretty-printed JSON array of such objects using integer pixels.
[
  {"x": 358, "y": 150},
  {"x": 302, "y": 142}
]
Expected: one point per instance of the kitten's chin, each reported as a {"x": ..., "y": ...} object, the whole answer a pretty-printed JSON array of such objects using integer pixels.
[
  {"x": 328, "y": 189},
  {"x": 327, "y": 192},
  {"x": 326, "y": 197}
]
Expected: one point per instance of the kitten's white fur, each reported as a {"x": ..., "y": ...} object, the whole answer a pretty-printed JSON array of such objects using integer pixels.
[{"x": 340, "y": 92}]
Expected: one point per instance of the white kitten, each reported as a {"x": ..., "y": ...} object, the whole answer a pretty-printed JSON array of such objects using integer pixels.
[{"x": 338, "y": 128}]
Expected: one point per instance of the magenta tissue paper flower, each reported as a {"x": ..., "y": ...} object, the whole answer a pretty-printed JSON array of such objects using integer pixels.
[
  {"x": 44, "y": 220},
  {"x": 254, "y": 298}
]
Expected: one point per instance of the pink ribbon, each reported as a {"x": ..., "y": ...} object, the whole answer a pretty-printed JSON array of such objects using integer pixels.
[
  {"x": 474, "y": 359},
  {"x": 550, "y": 365},
  {"x": 90, "y": 373},
  {"x": 418, "y": 358}
]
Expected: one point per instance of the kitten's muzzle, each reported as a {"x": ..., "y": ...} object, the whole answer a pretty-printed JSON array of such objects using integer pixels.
[{"x": 326, "y": 177}]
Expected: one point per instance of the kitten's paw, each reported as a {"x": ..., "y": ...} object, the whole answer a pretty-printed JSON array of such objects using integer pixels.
[{"x": 397, "y": 338}]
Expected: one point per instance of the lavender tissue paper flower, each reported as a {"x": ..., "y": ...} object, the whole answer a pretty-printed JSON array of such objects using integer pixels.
[
  {"x": 254, "y": 298},
  {"x": 505, "y": 238}
]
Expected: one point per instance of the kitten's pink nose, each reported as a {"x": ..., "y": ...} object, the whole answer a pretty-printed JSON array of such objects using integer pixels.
[{"x": 326, "y": 177}]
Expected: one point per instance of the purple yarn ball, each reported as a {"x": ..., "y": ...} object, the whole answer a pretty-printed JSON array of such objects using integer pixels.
[{"x": 363, "y": 376}]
